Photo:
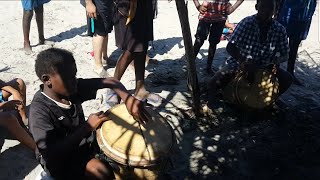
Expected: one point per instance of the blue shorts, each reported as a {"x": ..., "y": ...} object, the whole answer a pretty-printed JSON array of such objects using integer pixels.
[
  {"x": 31, "y": 4},
  {"x": 1, "y": 97}
]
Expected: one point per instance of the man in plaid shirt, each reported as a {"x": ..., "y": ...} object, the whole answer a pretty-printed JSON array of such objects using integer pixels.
[
  {"x": 212, "y": 18},
  {"x": 257, "y": 42}
]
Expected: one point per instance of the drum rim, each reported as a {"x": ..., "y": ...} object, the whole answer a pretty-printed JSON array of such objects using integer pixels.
[
  {"x": 235, "y": 91},
  {"x": 142, "y": 163}
]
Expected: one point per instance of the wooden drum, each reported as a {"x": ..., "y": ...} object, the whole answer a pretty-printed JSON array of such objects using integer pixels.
[
  {"x": 141, "y": 151},
  {"x": 261, "y": 93}
]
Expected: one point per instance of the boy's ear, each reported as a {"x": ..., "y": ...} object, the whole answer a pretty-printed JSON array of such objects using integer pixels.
[{"x": 45, "y": 78}]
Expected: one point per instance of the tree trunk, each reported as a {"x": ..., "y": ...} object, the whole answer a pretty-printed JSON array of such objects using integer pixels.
[{"x": 191, "y": 65}]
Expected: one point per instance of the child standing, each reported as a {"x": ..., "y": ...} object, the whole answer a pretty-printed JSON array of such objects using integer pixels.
[
  {"x": 57, "y": 121},
  {"x": 212, "y": 18}
]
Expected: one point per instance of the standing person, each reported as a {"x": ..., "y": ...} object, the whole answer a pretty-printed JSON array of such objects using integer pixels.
[
  {"x": 212, "y": 18},
  {"x": 57, "y": 120},
  {"x": 133, "y": 31},
  {"x": 28, "y": 7},
  {"x": 102, "y": 13},
  {"x": 296, "y": 17}
]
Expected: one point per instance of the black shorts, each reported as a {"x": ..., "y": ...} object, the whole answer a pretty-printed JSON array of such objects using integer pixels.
[
  {"x": 103, "y": 24},
  {"x": 213, "y": 29},
  {"x": 101, "y": 28}
]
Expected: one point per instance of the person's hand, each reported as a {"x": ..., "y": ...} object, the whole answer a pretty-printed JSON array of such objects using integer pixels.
[
  {"x": 11, "y": 105},
  {"x": 137, "y": 109},
  {"x": 249, "y": 69},
  {"x": 202, "y": 9},
  {"x": 91, "y": 10},
  {"x": 96, "y": 119}
]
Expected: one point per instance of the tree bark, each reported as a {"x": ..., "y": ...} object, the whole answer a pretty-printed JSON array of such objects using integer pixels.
[{"x": 191, "y": 65}]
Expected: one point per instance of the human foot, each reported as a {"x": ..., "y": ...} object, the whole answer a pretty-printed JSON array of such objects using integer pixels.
[{"x": 27, "y": 48}]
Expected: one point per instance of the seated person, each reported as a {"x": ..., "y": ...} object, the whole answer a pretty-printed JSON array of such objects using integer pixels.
[
  {"x": 9, "y": 110},
  {"x": 17, "y": 89},
  {"x": 57, "y": 121},
  {"x": 257, "y": 42},
  {"x": 228, "y": 30}
]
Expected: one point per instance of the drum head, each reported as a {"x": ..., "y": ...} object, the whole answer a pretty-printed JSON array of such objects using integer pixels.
[{"x": 127, "y": 142}]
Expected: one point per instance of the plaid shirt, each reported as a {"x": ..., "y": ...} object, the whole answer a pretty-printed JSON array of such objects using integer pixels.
[
  {"x": 216, "y": 10},
  {"x": 246, "y": 38}
]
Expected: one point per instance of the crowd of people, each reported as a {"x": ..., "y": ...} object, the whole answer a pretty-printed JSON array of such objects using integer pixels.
[{"x": 60, "y": 134}]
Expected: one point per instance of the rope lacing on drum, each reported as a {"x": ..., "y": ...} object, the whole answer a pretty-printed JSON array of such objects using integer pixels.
[{"x": 145, "y": 141}]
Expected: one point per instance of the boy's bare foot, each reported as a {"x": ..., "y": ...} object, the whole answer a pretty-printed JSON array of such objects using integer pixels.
[{"x": 27, "y": 48}]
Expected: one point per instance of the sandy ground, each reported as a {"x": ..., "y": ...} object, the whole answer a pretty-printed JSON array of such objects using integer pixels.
[{"x": 201, "y": 153}]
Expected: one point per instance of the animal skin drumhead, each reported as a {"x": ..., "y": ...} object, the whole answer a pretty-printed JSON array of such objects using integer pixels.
[{"x": 127, "y": 142}]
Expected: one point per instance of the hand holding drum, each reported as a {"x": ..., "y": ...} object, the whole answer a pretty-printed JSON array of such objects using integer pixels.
[{"x": 137, "y": 109}]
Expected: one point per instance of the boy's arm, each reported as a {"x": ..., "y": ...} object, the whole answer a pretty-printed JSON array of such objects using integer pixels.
[
  {"x": 235, "y": 52},
  {"x": 232, "y": 8},
  {"x": 199, "y": 7}
]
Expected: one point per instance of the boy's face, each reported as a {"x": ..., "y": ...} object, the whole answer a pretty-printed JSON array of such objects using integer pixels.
[
  {"x": 64, "y": 81},
  {"x": 266, "y": 10}
]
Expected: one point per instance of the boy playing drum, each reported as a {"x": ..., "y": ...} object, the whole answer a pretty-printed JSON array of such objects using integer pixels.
[
  {"x": 257, "y": 42},
  {"x": 57, "y": 121}
]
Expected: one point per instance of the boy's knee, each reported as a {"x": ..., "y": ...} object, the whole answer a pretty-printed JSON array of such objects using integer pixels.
[
  {"x": 21, "y": 83},
  {"x": 28, "y": 13},
  {"x": 198, "y": 41},
  {"x": 98, "y": 170}
]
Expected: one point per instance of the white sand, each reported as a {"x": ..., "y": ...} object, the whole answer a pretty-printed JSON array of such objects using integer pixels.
[{"x": 65, "y": 23}]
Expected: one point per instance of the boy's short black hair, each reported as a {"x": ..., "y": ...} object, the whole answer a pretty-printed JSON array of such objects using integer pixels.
[{"x": 52, "y": 60}]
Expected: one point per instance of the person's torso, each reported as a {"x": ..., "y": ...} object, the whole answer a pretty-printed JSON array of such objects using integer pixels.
[
  {"x": 297, "y": 10},
  {"x": 216, "y": 10},
  {"x": 261, "y": 51}
]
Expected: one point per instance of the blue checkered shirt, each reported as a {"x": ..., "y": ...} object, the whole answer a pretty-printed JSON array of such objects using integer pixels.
[{"x": 246, "y": 38}]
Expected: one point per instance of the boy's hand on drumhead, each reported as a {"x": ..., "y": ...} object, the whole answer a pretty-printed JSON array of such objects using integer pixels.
[
  {"x": 137, "y": 109},
  {"x": 96, "y": 119}
]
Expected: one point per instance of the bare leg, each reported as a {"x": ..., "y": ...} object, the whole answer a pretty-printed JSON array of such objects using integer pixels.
[
  {"x": 122, "y": 64},
  {"x": 20, "y": 86},
  {"x": 96, "y": 169},
  {"x": 26, "y": 22},
  {"x": 285, "y": 80},
  {"x": 197, "y": 45},
  {"x": 105, "y": 49},
  {"x": 294, "y": 46},
  {"x": 97, "y": 42},
  {"x": 10, "y": 122},
  {"x": 212, "y": 51},
  {"x": 139, "y": 67},
  {"x": 39, "y": 19}
]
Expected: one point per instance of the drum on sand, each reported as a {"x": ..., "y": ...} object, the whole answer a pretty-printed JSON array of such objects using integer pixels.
[
  {"x": 260, "y": 94},
  {"x": 141, "y": 151}
]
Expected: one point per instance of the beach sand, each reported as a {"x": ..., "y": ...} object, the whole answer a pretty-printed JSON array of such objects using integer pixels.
[{"x": 207, "y": 151}]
